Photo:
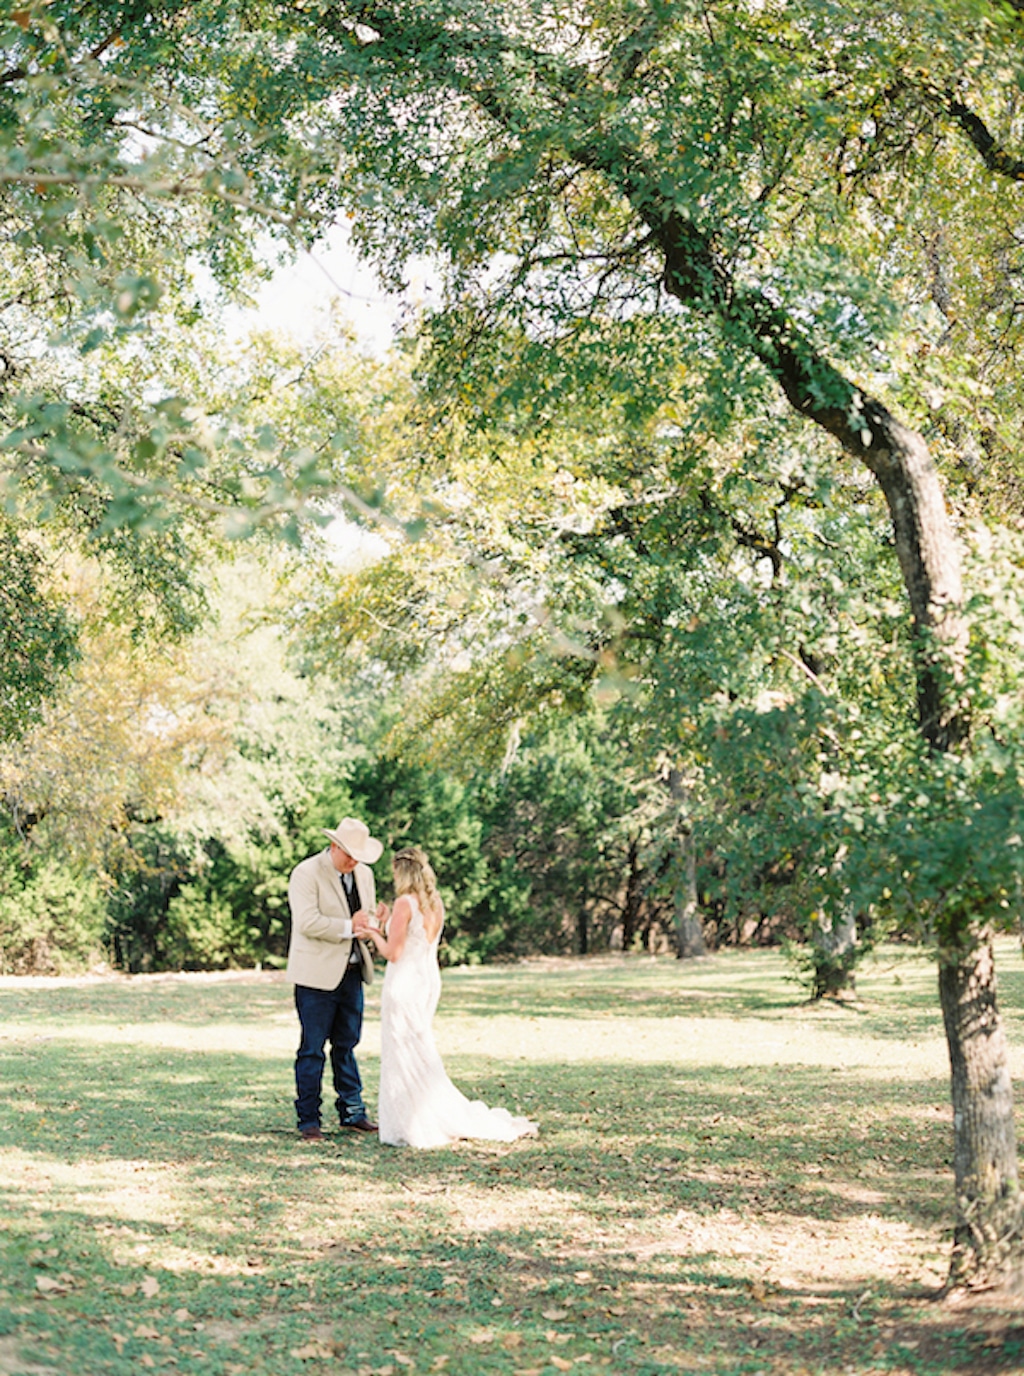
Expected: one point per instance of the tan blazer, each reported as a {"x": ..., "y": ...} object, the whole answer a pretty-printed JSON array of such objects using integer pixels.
[{"x": 317, "y": 951}]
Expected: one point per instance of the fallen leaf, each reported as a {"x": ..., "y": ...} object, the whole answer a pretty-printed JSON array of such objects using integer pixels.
[
  {"x": 482, "y": 1335},
  {"x": 561, "y": 1363},
  {"x": 555, "y": 1337},
  {"x": 146, "y": 1360},
  {"x": 46, "y": 1285},
  {"x": 150, "y": 1287},
  {"x": 402, "y": 1359},
  {"x": 145, "y": 1331},
  {"x": 128, "y": 1291},
  {"x": 311, "y": 1351},
  {"x": 583, "y": 1275},
  {"x": 758, "y": 1291},
  {"x": 182, "y": 1315},
  {"x": 439, "y": 1363},
  {"x": 511, "y": 1340},
  {"x": 555, "y": 1314}
]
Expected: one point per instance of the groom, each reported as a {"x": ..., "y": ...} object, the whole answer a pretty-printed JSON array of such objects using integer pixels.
[{"x": 326, "y": 894}]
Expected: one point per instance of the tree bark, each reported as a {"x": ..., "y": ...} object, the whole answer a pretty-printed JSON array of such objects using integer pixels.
[
  {"x": 689, "y": 929},
  {"x": 634, "y": 896},
  {"x": 987, "y": 1238},
  {"x": 834, "y": 955}
]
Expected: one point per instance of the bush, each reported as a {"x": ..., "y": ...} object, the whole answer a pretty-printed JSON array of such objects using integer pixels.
[{"x": 52, "y": 921}]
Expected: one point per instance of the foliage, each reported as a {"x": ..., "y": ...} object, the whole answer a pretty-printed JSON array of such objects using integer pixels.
[
  {"x": 574, "y": 865},
  {"x": 203, "y": 881},
  {"x": 52, "y": 915},
  {"x": 108, "y": 744},
  {"x": 116, "y": 184},
  {"x": 536, "y": 860},
  {"x": 38, "y": 638},
  {"x": 594, "y": 456}
]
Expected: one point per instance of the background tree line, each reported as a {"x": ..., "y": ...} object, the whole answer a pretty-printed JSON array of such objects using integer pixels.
[{"x": 174, "y": 853}]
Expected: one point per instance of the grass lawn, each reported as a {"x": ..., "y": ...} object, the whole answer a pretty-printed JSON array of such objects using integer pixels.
[{"x": 727, "y": 1180}]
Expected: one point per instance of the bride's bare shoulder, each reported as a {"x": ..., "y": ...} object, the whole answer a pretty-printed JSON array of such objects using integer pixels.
[{"x": 403, "y": 907}]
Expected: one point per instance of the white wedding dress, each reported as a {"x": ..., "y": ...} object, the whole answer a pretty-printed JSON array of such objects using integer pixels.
[{"x": 419, "y": 1106}]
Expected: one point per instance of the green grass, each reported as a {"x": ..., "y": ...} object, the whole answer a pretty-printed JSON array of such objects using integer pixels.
[{"x": 727, "y": 1180}]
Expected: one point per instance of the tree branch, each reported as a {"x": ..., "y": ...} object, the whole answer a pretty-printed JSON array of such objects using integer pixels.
[
  {"x": 146, "y": 186},
  {"x": 995, "y": 158},
  {"x": 695, "y": 274}
]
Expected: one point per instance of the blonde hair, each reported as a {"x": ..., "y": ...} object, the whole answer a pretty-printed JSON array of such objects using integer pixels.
[{"x": 413, "y": 874}]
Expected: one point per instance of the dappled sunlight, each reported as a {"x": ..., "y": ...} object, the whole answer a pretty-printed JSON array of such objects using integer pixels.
[
  {"x": 785, "y": 1251},
  {"x": 627, "y": 1037}
]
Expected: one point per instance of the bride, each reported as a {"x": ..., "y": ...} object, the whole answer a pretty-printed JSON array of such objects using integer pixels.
[{"x": 419, "y": 1105}]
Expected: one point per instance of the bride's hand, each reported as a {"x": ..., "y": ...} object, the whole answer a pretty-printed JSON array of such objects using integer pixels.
[{"x": 382, "y": 914}]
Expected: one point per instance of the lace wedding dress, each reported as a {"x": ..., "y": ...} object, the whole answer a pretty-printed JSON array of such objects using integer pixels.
[{"x": 419, "y": 1105}]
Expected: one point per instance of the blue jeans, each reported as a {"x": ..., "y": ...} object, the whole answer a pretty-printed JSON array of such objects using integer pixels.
[{"x": 335, "y": 1016}]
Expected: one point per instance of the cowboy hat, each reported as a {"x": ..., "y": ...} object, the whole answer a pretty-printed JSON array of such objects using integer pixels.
[{"x": 354, "y": 837}]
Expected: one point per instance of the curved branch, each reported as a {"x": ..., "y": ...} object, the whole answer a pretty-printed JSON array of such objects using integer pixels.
[
  {"x": 995, "y": 158},
  {"x": 693, "y": 273},
  {"x": 149, "y": 186}
]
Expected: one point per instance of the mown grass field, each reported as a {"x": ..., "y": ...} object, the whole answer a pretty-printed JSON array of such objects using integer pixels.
[{"x": 727, "y": 1180}]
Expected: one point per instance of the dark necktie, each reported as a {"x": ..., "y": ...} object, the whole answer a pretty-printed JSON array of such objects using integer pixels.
[{"x": 348, "y": 883}]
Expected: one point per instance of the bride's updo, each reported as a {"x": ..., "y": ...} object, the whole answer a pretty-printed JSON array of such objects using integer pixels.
[{"x": 414, "y": 875}]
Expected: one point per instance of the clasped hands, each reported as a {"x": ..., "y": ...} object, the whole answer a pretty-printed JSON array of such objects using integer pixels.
[{"x": 363, "y": 925}]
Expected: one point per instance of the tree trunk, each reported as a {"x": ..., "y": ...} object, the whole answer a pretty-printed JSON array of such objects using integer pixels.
[
  {"x": 583, "y": 921},
  {"x": 689, "y": 928},
  {"x": 631, "y": 908},
  {"x": 987, "y": 1238},
  {"x": 989, "y": 1249},
  {"x": 834, "y": 955}
]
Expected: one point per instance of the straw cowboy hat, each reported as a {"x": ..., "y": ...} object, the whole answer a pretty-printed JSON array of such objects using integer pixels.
[{"x": 354, "y": 837}]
